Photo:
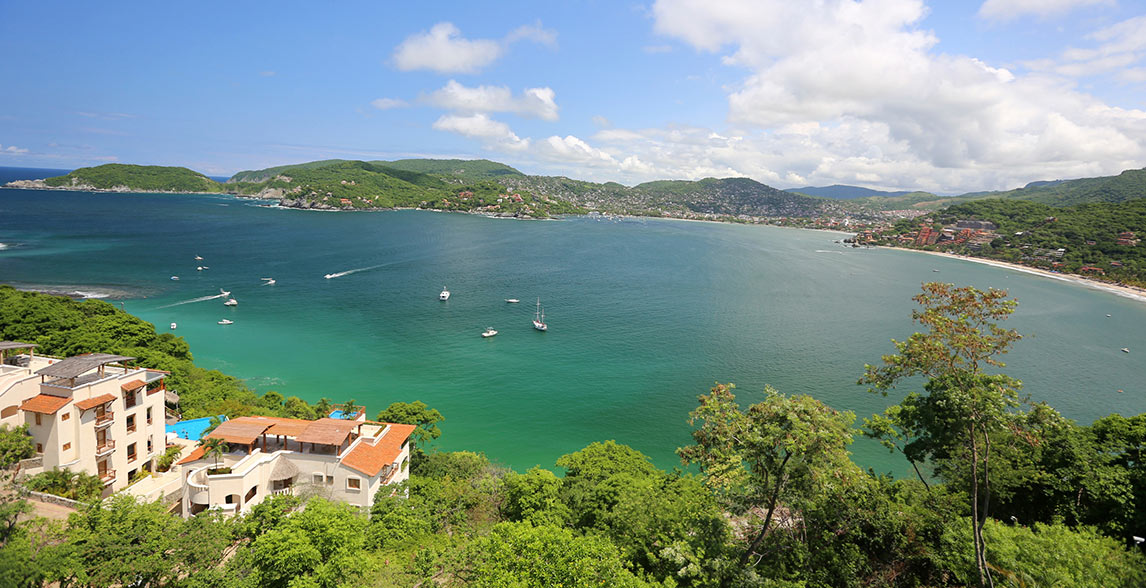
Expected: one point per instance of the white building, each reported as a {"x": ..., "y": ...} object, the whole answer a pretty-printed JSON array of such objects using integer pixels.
[
  {"x": 345, "y": 459},
  {"x": 90, "y": 413}
]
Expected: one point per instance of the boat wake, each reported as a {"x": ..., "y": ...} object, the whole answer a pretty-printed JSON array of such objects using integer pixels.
[
  {"x": 199, "y": 299},
  {"x": 353, "y": 271},
  {"x": 826, "y": 251}
]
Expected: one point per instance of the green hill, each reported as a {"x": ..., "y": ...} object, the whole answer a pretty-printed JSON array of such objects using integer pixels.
[
  {"x": 136, "y": 178},
  {"x": 1120, "y": 188},
  {"x": 459, "y": 169},
  {"x": 261, "y": 175}
]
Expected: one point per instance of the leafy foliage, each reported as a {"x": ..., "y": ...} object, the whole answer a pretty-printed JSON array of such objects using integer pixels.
[
  {"x": 15, "y": 444},
  {"x": 137, "y": 178},
  {"x": 80, "y": 486}
]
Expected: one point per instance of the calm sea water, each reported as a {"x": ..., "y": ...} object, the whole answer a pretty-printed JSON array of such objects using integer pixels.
[{"x": 644, "y": 315}]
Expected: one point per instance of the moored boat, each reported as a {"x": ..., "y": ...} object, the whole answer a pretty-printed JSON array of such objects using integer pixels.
[
  {"x": 512, "y": 300},
  {"x": 539, "y": 318},
  {"x": 489, "y": 332},
  {"x": 445, "y": 295},
  {"x": 226, "y": 322}
]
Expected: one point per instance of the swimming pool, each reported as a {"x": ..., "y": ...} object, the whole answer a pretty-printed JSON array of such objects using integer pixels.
[{"x": 192, "y": 429}]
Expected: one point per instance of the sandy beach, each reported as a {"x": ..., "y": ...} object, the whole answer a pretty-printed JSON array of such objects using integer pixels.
[{"x": 1131, "y": 292}]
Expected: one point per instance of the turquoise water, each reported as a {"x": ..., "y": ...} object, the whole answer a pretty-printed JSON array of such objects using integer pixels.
[
  {"x": 643, "y": 315},
  {"x": 192, "y": 428}
]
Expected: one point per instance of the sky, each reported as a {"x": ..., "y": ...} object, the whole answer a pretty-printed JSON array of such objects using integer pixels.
[{"x": 948, "y": 97}]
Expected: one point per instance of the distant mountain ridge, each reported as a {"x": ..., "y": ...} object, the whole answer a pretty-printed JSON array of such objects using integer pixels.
[{"x": 845, "y": 192}]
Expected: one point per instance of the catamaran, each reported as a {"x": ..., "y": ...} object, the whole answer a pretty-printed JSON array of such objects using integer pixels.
[{"x": 539, "y": 318}]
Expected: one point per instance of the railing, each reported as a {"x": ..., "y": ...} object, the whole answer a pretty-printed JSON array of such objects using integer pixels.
[
  {"x": 131, "y": 428},
  {"x": 105, "y": 419},
  {"x": 282, "y": 491},
  {"x": 129, "y": 400},
  {"x": 107, "y": 476},
  {"x": 105, "y": 448}
]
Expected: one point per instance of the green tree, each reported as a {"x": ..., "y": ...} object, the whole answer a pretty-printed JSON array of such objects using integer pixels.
[
  {"x": 319, "y": 545},
  {"x": 534, "y": 496},
  {"x": 297, "y": 408},
  {"x": 519, "y": 555},
  {"x": 214, "y": 447},
  {"x": 323, "y": 407},
  {"x": 15, "y": 444},
  {"x": 965, "y": 407},
  {"x": 414, "y": 413},
  {"x": 783, "y": 449},
  {"x": 80, "y": 486}
]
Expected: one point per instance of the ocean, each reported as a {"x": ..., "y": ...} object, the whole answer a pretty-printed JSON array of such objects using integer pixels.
[{"x": 643, "y": 314}]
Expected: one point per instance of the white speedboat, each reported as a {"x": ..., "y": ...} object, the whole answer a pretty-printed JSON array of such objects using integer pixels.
[
  {"x": 445, "y": 295},
  {"x": 174, "y": 277},
  {"x": 226, "y": 322},
  {"x": 512, "y": 300},
  {"x": 231, "y": 302},
  {"x": 489, "y": 332},
  {"x": 268, "y": 281},
  {"x": 224, "y": 293},
  {"x": 199, "y": 269},
  {"x": 173, "y": 325},
  {"x": 328, "y": 276},
  {"x": 197, "y": 258},
  {"x": 539, "y": 318},
  {"x": 1125, "y": 350}
]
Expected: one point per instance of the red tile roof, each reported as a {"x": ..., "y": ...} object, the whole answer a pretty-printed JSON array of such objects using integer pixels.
[
  {"x": 132, "y": 385},
  {"x": 196, "y": 454},
  {"x": 45, "y": 404},
  {"x": 95, "y": 401},
  {"x": 371, "y": 458}
]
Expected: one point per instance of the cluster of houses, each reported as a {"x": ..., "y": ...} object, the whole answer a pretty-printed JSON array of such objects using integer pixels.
[{"x": 95, "y": 413}]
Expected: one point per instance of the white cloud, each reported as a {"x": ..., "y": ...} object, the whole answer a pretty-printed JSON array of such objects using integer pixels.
[
  {"x": 494, "y": 134},
  {"x": 12, "y": 150},
  {"x": 1010, "y": 9},
  {"x": 533, "y": 102},
  {"x": 854, "y": 91},
  {"x": 1119, "y": 47},
  {"x": 443, "y": 49},
  {"x": 534, "y": 32},
  {"x": 388, "y": 103}
]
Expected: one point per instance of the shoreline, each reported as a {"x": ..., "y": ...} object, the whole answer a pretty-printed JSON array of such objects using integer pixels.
[{"x": 1131, "y": 292}]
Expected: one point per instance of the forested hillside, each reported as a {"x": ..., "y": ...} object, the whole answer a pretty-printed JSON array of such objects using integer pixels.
[{"x": 146, "y": 178}]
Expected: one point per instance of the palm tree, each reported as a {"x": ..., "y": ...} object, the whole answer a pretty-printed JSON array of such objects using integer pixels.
[
  {"x": 322, "y": 407},
  {"x": 214, "y": 446},
  {"x": 349, "y": 409}
]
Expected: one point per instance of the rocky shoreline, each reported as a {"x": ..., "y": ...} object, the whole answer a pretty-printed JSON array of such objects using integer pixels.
[{"x": 41, "y": 185}]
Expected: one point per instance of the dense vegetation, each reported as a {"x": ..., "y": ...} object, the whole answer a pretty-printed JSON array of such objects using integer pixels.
[
  {"x": 1088, "y": 232},
  {"x": 777, "y": 501},
  {"x": 138, "y": 178}
]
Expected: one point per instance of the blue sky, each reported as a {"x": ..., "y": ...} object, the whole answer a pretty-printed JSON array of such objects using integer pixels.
[{"x": 894, "y": 94}]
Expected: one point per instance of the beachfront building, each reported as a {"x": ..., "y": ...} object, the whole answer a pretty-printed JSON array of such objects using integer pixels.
[
  {"x": 348, "y": 459},
  {"x": 91, "y": 413}
]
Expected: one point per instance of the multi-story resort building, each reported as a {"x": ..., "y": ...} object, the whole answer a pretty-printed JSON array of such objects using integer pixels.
[
  {"x": 96, "y": 414},
  {"x": 89, "y": 413},
  {"x": 348, "y": 459}
]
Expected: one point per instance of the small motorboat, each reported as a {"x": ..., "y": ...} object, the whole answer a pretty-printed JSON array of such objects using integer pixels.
[
  {"x": 226, "y": 322},
  {"x": 268, "y": 281},
  {"x": 197, "y": 258},
  {"x": 173, "y": 325},
  {"x": 231, "y": 302},
  {"x": 174, "y": 277},
  {"x": 489, "y": 332},
  {"x": 199, "y": 269},
  {"x": 1125, "y": 350},
  {"x": 224, "y": 293},
  {"x": 1107, "y": 316},
  {"x": 512, "y": 300},
  {"x": 328, "y": 276},
  {"x": 445, "y": 295}
]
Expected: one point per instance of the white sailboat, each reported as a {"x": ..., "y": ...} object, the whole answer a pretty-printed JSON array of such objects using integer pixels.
[{"x": 539, "y": 318}]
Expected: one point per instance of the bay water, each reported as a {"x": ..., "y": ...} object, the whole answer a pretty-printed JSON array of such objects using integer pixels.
[{"x": 643, "y": 314}]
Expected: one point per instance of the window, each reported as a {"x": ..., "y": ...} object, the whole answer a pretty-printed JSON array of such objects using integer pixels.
[
  {"x": 129, "y": 399},
  {"x": 405, "y": 462},
  {"x": 149, "y": 443},
  {"x": 66, "y": 416},
  {"x": 318, "y": 478},
  {"x": 330, "y": 480},
  {"x": 131, "y": 452},
  {"x": 131, "y": 423},
  {"x": 38, "y": 419},
  {"x": 39, "y": 446},
  {"x": 149, "y": 415},
  {"x": 67, "y": 446},
  {"x": 354, "y": 483}
]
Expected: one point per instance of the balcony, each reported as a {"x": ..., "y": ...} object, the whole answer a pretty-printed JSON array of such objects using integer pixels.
[
  {"x": 105, "y": 448},
  {"x": 107, "y": 477},
  {"x": 131, "y": 428},
  {"x": 104, "y": 420}
]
